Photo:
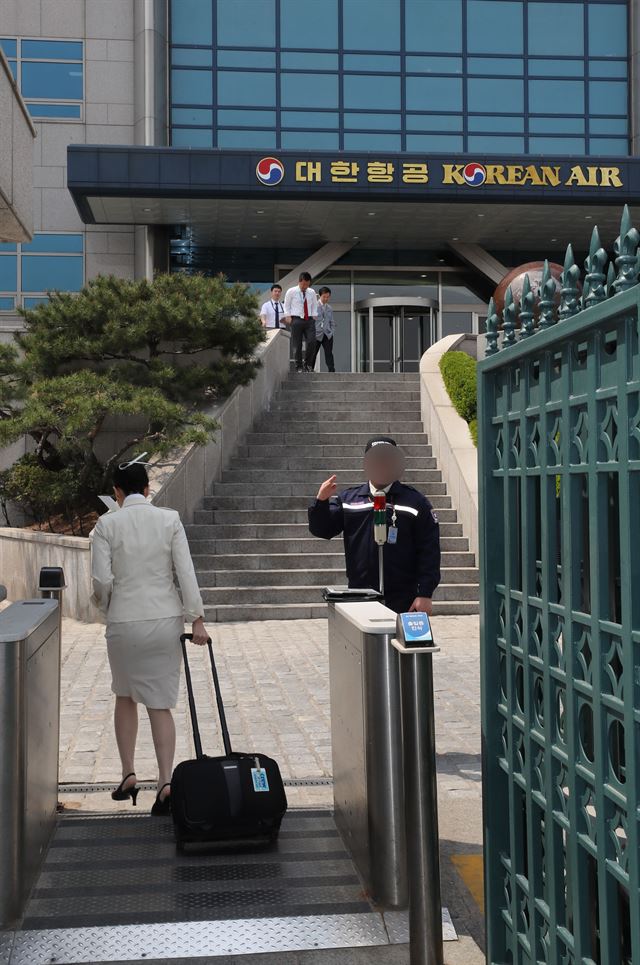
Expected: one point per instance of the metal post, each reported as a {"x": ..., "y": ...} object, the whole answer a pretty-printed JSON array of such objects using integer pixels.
[
  {"x": 421, "y": 808},
  {"x": 381, "y": 570}
]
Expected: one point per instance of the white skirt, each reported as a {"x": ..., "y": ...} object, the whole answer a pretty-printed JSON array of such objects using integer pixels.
[{"x": 145, "y": 657}]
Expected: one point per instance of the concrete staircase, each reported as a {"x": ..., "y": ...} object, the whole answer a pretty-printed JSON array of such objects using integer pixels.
[{"x": 252, "y": 549}]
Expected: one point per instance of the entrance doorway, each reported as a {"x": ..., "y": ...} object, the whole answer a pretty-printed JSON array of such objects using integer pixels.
[{"x": 392, "y": 335}]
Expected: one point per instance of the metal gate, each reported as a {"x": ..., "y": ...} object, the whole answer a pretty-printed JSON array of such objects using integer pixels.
[{"x": 559, "y": 458}]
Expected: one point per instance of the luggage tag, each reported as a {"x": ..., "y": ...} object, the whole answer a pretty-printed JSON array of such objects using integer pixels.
[{"x": 259, "y": 777}]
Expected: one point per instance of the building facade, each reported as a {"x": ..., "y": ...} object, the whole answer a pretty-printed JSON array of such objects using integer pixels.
[{"x": 298, "y": 87}]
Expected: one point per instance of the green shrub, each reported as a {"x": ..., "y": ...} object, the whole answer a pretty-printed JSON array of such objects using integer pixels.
[{"x": 459, "y": 374}]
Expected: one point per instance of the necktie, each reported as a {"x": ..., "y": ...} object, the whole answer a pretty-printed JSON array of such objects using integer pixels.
[
  {"x": 306, "y": 308},
  {"x": 276, "y": 308}
]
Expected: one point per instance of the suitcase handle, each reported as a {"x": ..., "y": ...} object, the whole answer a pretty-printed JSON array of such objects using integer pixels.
[{"x": 192, "y": 704}]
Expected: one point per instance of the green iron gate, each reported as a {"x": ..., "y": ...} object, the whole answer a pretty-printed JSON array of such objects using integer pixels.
[{"x": 559, "y": 457}]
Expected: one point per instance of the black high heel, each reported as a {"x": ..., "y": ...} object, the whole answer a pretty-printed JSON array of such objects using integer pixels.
[
  {"x": 120, "y": 794},
  {"x": 161, "y": 808}
]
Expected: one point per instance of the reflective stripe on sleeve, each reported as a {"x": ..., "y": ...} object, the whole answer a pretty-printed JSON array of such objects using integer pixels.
[
  {"x": 358, "y": 506},
  {"x": 406, "y": 509}
]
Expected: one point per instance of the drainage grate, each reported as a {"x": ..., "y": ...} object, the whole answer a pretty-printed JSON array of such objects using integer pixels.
[{"x": 101, "y": 787}]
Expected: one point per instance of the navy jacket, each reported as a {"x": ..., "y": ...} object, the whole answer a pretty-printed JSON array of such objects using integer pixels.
[{"x": 411, "y": 565}]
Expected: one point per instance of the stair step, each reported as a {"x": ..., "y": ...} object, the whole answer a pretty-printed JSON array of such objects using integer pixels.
[
  {"x": 289, "y": 422},
  {"x": 308, "y": 575},
  {"x": 308, "y": 484},
  {"x": 279, "y": 531},
  {"x": 324, "y": 408},
  {"x": 205, "y": 563},
  {"x": 277, "y": 509},
  {"x": 262, "y": 526},
  {"x": 355, "y": 394},
  {"x": 313, "y": 477},
  {"x": 330, "y": 441},
  {"x": 300, "y": 594},
  {"x": 205, "y": 543},
  {"x": 239, "y": 613},
  {"x": 290, "y": 458},
  {"x": 364, "y": 377}
]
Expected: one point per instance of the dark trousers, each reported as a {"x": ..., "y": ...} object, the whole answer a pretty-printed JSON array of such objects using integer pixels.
[
  {"x": 327, "y": 345},
  {"x": 303, "y": 328}
]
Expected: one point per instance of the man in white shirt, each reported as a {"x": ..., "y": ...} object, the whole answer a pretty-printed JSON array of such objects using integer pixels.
[
  {"x": 272, "y": 312},
  {"x": 301, "y": 306}
]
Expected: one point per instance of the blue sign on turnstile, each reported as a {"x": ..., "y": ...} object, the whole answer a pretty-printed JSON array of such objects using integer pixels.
[{"x": 414, "y": 629}]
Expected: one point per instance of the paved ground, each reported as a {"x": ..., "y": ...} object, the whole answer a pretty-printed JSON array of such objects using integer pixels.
[{"x": 275, "y": 680}]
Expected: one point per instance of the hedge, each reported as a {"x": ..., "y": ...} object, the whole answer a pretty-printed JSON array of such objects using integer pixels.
[{"x": 459, "y": 374}]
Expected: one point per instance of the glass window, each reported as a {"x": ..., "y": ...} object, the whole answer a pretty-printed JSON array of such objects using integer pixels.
[
  {"x": 247, "y": 118},
  {"x": 499, "y": 123},
  {"x": 376, "y": 62},
  {"x": 491, "y": 25},
  {"x": 556, "y": 28},
  {"x": 608, "y": 125},
  {"x": 41, "y": 273},
  {"x": 246, "y": 88},
  {"x": 433, "y": 25},
  {"x": 309, "y": 90},
  {"x": 192, "y": 115},
  {"x": 260, "y": 140},
  {"x": 55, "y": 110},
  {"x": 191, "y": 86},
  {"x": 51, "y": 50},
  {"x": 10, "y": 47},
  {"x": 190, "y": 57},
  {"x": 34, "y": 301},
  {"x": 603, "y": 145},
  {"x": 556, "y": 145},
  {"x": 504, "y": 98},
  {"x": 246, "y": 23},
  {"x": 13, "y": 67},
  {"x": 608, "y": 68},
  {"x": 190, "y": 137},
  {"x": 366, "y": 122},
  {"x": 303, "y": 140},
  {"x": 556, "y": 68},
  {"x": 372, "y": 142},
  {"x": 297, "y": 16},
  {"x": 434, "y": 142},
  {"x": 52, "y": 80},
  {"x": 59, "y": 243},
  {"x": 496, "y": 65},
  {"x": 557, "y": 125},
  {"x": 191, "y": 22},
  {"x": 303, "y": 119},
  {"x": 607, "y": 97},
  {"x": 556, "y": 97},
  {"x": 307, "y": 61},
  {"x": 362, "y": 91},
  {"x": 495, "y": 143},
  {"x": 8, "y": 246},
  {"x": 607, "y": 29},
  {"x": 434, "y": 122},
  {"x": 246, "y": 58},
  {"x": 8, "y": 273},
  {"x": 434, "y": 65},
  {"x": 434, "y": 93},
  {"x": 7, "y": 304},
  {"x": 373, "y": 25}
]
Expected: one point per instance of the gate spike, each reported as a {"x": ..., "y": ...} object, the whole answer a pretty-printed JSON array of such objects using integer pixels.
[
  {"x": 492, "y": 329},
  {"x": 594, "y": 290},
  {"x": 611, "y": 277},
  {"x": 527, "y": 302},
  {"x": 547, "y": 298},
  {"x": 569, "y": 301},
  {"x": 625, "y": 247},
  {"x": 508, "y": 320}
]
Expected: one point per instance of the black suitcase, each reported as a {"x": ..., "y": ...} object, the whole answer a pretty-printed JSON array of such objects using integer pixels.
[{"x": 231, "y": 798}]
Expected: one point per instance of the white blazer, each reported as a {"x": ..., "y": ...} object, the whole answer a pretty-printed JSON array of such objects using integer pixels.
[{"x": 133, "y": 555}]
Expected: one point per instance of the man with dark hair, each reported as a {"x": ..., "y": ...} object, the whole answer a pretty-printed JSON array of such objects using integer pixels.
[
  {"x": 272, "y": 312},
  {"x": 301, "y": 306},
  {"x": 325, "y": 327}
]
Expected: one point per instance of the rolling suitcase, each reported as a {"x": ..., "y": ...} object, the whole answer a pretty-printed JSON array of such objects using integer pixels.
[{"x": 230, "y": 798}]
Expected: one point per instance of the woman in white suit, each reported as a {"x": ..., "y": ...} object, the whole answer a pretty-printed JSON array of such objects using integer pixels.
[{"x": 134, "y": 553}]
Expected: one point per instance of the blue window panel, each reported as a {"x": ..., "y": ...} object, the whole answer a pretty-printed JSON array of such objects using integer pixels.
[
  {"x": 499, "y": 96},
  {"x": 246, "y": 58},
  {"x": 556, "y": 68},
  {"x": 55, "y": 243},
  {"x": 373, "y": 122},
  {"x": 556, "y": 28},
  {"x": 434, "y": 142},
  {"x": 192, "y": 115},
  {"x": 312, "y": 140},
  {"x": 246, "y": 88},
  {"x": 433, "y": 25},
  {"x": 8, "y": 273},
  {"x": 556, "y": 125},
  {"x": 304, "y": 119},
  {"x": 556, "y": 97},
  {"x": 248, "y": 23},
  {"x": 434, "y": 93},
  {"x": 190, "y": 137},
  {"x": 607, "y": 29},
  {"x": 303, "y": 61},
  {"x": 296, "y": 16},
  {"x": 55, "y": 110},
  {"x": 608, "y": 97},
  {"x": 506, "y": 66},
  {"x": 608, "y": 68},
  {"x": 608, "y": 125},
  {"x": 380, "y": 63},
  {"x": 434, "y": 65},
  {"x": 260, "y": 140},
  {"x": 495, "y": 144},
  {"x": 13, "y": 67},
  {"x": 8, "y": 246},
  {"x": 190, "y": 57},
  {"x": 369, "y": 91},
  {"x": 433, "y": 122},
  {"x": 191, "y": 22},
  {"x": 613, "y": 145},
  {"x": 41, "y": 273},
  {"x": 499, "y": 123},
  {"x": 309, "y": 90},
  {"x": 247, "y": 118},
  {"x": 372, "y": 142},
  {"x": 493, "y": 26},
  {"x": 52, "y": 49},
  {"x": 9, "y": 47},
  {"x": 556, "y": 145},
  {"x": 33, "y": 302},
  {"x": 52, "y": 80},
  {"x": 7, "y": 304},
  {"x": 374, "y": 25},
  {"x": 191, "y": 86}
]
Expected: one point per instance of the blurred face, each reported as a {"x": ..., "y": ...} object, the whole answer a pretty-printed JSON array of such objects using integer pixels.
[
  {"x": 276, "y": 293},
  {"x": 324, "y": 298},
  {"x": 304, "y": 284},
  {"x": 383, "y": 464}
]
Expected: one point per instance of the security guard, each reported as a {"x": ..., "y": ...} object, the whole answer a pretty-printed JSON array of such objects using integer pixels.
[{"x": 412, "y": 552}]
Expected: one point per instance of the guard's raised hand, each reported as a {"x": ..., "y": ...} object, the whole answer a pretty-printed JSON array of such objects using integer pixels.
[{"x": 328, "y": 488}]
